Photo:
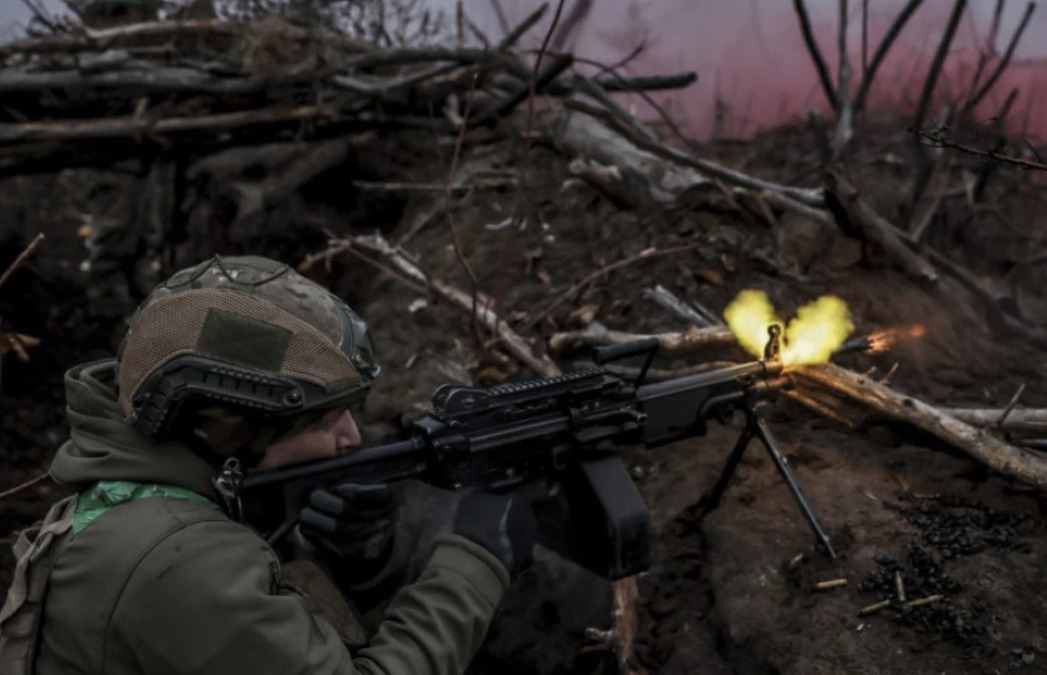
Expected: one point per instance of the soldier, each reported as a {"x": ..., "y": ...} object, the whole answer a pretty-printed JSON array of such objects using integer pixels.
[{"x": 141, "y": 571}]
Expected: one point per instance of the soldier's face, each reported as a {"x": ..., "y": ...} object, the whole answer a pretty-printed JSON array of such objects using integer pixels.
[{"x": 335, "y": 433}]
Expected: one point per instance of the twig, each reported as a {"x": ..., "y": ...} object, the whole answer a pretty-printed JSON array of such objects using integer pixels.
[
  {"x": 513, "y": 342},
  {"x": 337, "y": 247},
  {"x": 865, "y": 38},
  {"x": 987, "y": 51},
  {"x": 665, "y": 299},
  {"x": 881, "y": 52},
  {"x": 940, "y": 141},
  {"x": 499, "y": 12},
  {"x": 21, "y": 258},
  {"x": 513, "y": 36},
  {"x": 1010, "y": 406},
  {"x": 40, "y": 14},
  {"x": 638, "y": 84},
  {"x": 928, "y": 217},
  {"x": 818, "y": 215},
  {"x": 575, "y": 18},
  {"x": 530, "y": 90},
  {"x": 24, "y": 486},
  {"x": 574, "y": 290},
  {"x": 521, "y": 188},
  {"x": 978, "y": 190},
  {"x": 525, "y": 160},
  {"x": 593, "y": 89},
  {"x": 939, "y": 59},
  {"x": 976, "y": 99},
  {"x": 843, "y": 90},
  {"x": 449, "y": 219},
  {"x": 816, "y": 54},
  {"x": 617, "y": 82}
]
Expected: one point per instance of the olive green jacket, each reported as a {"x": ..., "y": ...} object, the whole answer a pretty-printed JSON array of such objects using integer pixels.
[{"x": 164, "y": 585}]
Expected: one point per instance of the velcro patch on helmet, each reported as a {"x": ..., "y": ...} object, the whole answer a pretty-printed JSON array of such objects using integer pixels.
[{"x": 244, "y": 341}]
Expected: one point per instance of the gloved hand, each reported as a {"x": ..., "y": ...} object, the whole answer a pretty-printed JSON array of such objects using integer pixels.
[
  {"x": 354, "y": 523},
  {"x": 504, "y": 524}
]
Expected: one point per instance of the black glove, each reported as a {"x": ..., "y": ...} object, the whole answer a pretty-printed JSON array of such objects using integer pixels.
[
  {"x": 504, "y": 524},
  {"x": 354, "y": 523}
]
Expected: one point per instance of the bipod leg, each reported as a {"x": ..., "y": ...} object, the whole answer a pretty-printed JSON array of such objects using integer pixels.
[
  {"x": 733, "y": 461},
  {"x": 760, "y": 429}
]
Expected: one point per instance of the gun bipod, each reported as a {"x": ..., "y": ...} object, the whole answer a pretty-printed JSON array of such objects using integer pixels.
[{"x": 756, "y": 426}]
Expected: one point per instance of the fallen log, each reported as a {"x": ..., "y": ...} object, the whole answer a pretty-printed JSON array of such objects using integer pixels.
[
  {"x": 377, "y": 244},
  {"x": 1000, "y": 456}
]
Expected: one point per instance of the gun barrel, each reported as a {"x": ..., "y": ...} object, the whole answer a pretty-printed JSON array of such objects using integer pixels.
[
  {"x": 320, "y": 467},
  {"x": 657, "y": 390}
]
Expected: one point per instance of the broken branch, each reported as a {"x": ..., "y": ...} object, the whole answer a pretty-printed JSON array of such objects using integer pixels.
[
  {"x": 995, "y": 453},
  {"x": 513, "y": 343}
]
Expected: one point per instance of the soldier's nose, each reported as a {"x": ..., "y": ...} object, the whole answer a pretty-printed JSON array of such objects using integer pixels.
[{"x": 346, "y": 433}]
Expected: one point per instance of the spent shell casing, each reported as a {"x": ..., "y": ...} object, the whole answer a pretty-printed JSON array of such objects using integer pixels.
[
  {"x": 899, "y": 585},
  {"x": 926, "y": 601},
  {"x": 873, "y": 609},
  {"x": 830, "y": 583}
]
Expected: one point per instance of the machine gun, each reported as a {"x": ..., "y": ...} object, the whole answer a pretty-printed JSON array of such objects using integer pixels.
[{"x": 555, "y": 429}]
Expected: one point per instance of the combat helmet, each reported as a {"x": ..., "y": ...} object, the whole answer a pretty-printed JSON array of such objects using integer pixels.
[{"x": 244, "y": 334}]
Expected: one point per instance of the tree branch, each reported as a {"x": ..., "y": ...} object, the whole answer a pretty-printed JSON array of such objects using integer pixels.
[
  {"x": 939, "y": 59},
  {"x": 816, "y": 54},
  {"x": 1004, "y": 62},
  {"x": 881, "y": 52}
]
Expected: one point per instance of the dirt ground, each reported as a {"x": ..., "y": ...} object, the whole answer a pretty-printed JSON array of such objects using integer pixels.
[{"x": 730, "y": 590}]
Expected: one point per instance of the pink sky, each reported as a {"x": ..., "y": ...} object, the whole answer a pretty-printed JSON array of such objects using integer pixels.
[{"x": 749, "y": 54}]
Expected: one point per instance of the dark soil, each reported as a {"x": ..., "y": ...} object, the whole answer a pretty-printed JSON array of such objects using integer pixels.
[{"x": 730, "y": 590}]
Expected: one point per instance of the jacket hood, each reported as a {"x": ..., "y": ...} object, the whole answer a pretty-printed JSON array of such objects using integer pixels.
[{"x": 102, "y": 446}]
